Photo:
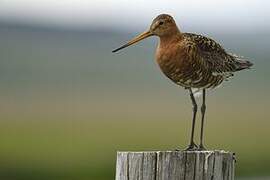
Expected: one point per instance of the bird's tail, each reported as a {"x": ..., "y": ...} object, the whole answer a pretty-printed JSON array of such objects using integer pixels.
[{"x": 241, "y": 63}]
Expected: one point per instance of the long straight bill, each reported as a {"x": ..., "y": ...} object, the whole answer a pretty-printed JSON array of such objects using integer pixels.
[{"x": 135, "y": 40}]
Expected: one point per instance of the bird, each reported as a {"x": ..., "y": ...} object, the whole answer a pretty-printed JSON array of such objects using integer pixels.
[{"x": 195, "y": 62}]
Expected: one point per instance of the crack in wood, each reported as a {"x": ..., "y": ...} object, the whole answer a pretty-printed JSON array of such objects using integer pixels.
[
  {"x": 156, "y": 165},
  {"x": 194, "y": 174},
  {"x": 128, "y": 166}
]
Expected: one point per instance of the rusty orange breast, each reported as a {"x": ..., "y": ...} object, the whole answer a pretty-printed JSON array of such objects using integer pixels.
[
  {"x": 179, "y": 64},
  {"x": 172, "y": 60}
]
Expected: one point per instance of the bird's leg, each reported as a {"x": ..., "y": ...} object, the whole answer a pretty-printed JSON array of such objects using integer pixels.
[
  {"x": 203, "y": 108},
  {"x": 192, "y": 145}
]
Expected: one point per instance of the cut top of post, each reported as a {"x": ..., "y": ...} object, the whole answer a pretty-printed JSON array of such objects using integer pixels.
[{"x": 175, "y": 165}]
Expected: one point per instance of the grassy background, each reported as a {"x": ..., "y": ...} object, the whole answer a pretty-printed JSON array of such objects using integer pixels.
[{"x": 81, "y": 149}]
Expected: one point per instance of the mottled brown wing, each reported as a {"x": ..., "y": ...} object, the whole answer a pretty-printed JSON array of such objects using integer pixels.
[{"x": 213, "y": 57}]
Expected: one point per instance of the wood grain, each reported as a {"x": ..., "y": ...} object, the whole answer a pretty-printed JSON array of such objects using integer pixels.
[{"x": 175, "y": 165}]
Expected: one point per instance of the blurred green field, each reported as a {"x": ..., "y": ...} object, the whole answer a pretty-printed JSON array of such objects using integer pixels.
[{"x": 80, "y": 149}]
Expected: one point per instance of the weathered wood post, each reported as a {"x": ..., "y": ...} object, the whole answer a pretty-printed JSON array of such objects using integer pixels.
[{"x": 175, "y": 165}]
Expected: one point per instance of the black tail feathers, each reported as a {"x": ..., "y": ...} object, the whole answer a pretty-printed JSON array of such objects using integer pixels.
[
  {"x": 243, "y": 64},
  {"x": 240, "y": 62}
]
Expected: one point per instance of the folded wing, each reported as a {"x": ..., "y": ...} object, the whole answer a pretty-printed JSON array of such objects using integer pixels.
[{"x": 214, "y": 58}]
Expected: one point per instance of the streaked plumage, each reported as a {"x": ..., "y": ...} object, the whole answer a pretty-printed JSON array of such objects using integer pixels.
[
  {"x": 191, "y": 61},
  {"x": 195, "y": 61}
]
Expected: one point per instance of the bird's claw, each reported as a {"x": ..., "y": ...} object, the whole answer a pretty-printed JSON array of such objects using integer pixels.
[
  {"x": 201, "y": 148},
  {"x": 191, "y": 147}
]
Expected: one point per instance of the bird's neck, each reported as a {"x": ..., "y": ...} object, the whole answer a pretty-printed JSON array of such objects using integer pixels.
[
  {"x": 167, "y": 47},
  {"x": 170, "y": 38}
]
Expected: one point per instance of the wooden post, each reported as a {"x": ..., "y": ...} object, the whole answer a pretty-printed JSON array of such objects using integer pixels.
[{"x": 175, "y": 165}]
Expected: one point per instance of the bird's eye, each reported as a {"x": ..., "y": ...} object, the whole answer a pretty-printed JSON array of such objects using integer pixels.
[{"x": 160, "y": 23}]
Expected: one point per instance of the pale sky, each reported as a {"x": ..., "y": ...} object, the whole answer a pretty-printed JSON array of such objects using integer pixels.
[{"x": 250, "y": 14}]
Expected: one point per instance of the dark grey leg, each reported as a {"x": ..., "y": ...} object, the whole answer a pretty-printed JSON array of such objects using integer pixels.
[
  {"x": 192, "y": 145},
  {"x": 203, "y": 108}
]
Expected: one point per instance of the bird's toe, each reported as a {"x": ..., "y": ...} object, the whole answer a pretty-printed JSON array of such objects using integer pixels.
[
  {"x": 201, "y": 148},
  {"x": 191, "y": 147}
]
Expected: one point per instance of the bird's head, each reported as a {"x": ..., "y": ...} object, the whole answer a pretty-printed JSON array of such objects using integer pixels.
[{"x": 162, "y": 25}]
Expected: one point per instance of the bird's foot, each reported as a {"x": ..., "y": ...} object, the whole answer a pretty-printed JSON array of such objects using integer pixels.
[
  {"x": 201, "y": 148},
  {"x": 191, "y": 147}
]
